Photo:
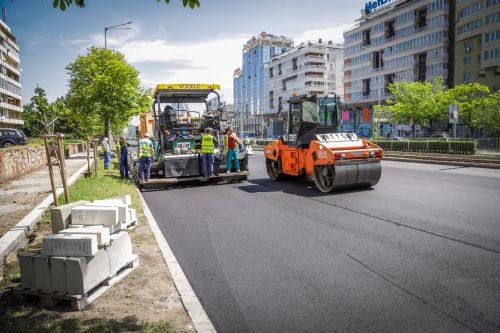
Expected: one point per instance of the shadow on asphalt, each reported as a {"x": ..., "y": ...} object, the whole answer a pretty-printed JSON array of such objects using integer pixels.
[{"x": 294, "y": 186}]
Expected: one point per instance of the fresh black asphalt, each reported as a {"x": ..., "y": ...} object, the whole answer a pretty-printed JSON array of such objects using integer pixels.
[{"x": 419, "y": 252}]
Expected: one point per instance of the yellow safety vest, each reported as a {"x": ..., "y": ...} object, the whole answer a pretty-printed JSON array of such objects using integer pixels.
[
  {"x": 207, "y": 144},
  {"x": 145, "y": 147}
]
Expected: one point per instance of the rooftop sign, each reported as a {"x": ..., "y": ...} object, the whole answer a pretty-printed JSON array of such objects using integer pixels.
[{"x": 372, "y": 5}]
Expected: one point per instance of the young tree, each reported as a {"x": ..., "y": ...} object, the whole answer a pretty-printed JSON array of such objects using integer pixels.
[
  {"x": 104, "y": 87},
  {"x": 417, "y": 102},
  {"x": 40, "y": 116},
  {"x": 63, "y": 4}
]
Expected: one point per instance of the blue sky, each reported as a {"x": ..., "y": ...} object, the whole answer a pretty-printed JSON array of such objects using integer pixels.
[{"x": 166, "y": 43}]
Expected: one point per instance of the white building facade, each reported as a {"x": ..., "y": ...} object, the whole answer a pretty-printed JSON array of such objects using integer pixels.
[
  {"x": 312, "y": 68},
  {"x": 399, "y": 40},
  {"x": 10, "y": 79}
]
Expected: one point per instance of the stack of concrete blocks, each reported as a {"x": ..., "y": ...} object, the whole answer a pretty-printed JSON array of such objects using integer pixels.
[{"x": 88, "y": 245}]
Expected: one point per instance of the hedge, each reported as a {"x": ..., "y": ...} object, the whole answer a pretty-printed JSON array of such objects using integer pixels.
[
  {"x": 429, "y": 146},
  {"x": 419, "y": 145}
]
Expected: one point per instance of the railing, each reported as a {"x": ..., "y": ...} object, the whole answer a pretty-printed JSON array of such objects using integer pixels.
[{"x": 488, "y": 144}]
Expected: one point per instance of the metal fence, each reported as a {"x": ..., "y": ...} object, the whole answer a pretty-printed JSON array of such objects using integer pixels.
[{"x": 488, "y": 144}]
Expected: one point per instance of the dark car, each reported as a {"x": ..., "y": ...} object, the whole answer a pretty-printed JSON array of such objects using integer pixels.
[
  {"x": 12, "y": 136},
  {"x": 440, "y": 136}
]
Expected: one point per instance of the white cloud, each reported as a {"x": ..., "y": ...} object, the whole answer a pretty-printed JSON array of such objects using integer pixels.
[{"x": 210, "y": 61}]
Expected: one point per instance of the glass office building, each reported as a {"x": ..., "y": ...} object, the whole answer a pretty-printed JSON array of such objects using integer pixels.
[{"x": 250, "y": 88}]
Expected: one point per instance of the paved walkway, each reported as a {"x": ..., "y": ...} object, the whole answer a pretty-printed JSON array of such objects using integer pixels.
[{"x": 19, "y": 196}]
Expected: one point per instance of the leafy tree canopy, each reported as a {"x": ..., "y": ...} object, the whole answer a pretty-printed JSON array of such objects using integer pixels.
[
  {"x": 63, "y": 4},
  {"x": 104, "y": 91}
]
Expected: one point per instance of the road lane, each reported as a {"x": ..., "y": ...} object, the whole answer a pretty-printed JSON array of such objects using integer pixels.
[{"x": 269, "y": 256}]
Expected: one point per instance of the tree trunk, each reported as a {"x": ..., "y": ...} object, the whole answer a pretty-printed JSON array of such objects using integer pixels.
[{"x": 107, "y": 131}]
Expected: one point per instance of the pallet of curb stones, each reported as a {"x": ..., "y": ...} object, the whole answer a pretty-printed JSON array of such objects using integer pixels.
[{"x": 79, "y": 302}]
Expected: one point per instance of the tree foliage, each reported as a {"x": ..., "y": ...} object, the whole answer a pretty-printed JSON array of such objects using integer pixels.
[
  {"x": 470, "y": 99},
  {"x": 64, "y": 4},
  {"x": 104, "y": 91},
  {"x": 39, "y": 115},
  {"x": 489, "y": 117},
  {"x": 417, "y": 102}
]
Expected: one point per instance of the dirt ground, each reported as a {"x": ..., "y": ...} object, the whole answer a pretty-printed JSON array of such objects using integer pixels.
[{"x": 147, "y": 295}]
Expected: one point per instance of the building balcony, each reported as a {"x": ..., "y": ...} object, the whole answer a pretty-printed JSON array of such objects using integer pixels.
[{"x": 11, "y": 121}]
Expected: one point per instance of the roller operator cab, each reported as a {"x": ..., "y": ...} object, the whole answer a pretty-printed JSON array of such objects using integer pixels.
[
  {"x": 180, "y": 114},
  {"x": 312, "y": 147}
]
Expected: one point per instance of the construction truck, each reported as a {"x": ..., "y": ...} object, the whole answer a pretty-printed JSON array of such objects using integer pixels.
[
  {"x": 312, "y": 147},
  {"x": 179, "y": 115}
]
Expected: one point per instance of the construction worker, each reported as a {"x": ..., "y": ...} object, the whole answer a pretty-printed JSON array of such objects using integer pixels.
[
  {"x": 123, "y": 157},
  {"x": 106, "y": 151},
  {"x": 208, "y": 144},
  {"x": 231, "y": 142},
  {"x": 146, "y": 153}
]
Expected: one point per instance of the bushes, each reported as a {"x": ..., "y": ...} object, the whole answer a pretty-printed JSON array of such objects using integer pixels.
[{"x": 429, "y": 146}]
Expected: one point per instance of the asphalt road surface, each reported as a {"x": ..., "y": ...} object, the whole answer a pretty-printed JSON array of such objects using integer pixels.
[{"x": 419, "y": 252}]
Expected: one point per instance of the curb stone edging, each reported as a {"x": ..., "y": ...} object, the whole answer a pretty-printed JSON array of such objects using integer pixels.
[
  {"x": 188, "y": 297},
  {"x": 20, "y": 231}
]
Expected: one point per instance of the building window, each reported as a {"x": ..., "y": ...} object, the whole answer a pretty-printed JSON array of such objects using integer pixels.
[
  {"x": 492, "y": 18},
  {"x": 490, "y": 36},
  {"x": 377, "y": 59},
  {"x": 270, "y": 72},
  {"x": 497, "y": 71},
  {"x": 294, "y": 64},
  {"x": 366, "y": 87},
  {"x": 279, "y": 69},
  {"x": 470, "y": 26},
  {"x": 467, "y": 61},
  {"x": 390, "y": 32},
  {"x": 468, "y": 46},
  {"x": 492, "y": 2},
  {"x": 420, "y": 18},
  {"x": 481, "y": 74},
  {"x": 271, "y": 99},
  {"x": 421, "y": 60},
  {"x": 366, "y": 37},
  {"x": 470, "y": 9},
  {"x": 491, "y": 54},
  {"x": 466, "y": 77}
]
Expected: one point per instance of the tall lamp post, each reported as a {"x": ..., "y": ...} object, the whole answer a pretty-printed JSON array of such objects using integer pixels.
[{"x": 114, "y": 27}]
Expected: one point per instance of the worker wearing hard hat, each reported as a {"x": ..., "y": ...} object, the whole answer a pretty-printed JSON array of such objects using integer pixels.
[
  {"x": 146, "y": 153},
  {"x": 208, "y": 144}
]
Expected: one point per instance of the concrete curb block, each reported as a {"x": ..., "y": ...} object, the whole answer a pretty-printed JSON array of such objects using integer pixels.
[
  {"x": 8, "y": 241},
  {"x": 188, "y": 297}
]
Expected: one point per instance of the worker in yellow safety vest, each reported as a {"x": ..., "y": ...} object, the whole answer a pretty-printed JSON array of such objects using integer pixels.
[
  {"x": 146, "y": 153},
  {"x": 208, "y": 144}
]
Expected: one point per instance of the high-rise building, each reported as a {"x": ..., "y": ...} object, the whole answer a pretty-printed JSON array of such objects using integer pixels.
[
  {"x": 10, "y": 86},
  {"x": 399, "y": 40},
  {"x": 313, "y": 68},
  {"x": 477, "y": 46},
  {"x": 249, "y": 85}
]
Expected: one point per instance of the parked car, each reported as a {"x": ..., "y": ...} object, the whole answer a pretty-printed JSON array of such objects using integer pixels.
[
  {"x": 440, "y": 136},
  {"x": 399, "y": 138},
  {"x": 12, "y": 136}
]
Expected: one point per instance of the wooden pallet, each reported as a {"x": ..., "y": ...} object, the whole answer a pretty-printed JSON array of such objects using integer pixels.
[{"x": 79, "y": 302}]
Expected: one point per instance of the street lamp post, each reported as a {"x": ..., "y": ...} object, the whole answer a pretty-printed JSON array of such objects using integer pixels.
[{"x": 114, "y": 27}]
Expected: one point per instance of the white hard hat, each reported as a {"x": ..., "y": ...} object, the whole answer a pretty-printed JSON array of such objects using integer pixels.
[{"x": 146, "y": 135}]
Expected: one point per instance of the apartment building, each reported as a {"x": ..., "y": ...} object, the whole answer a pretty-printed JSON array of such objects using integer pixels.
[
  {"x": 477, "y": 46},
  {"x": 10, "y": 73},
  {"x": 399, "y": 40},
  {"x": 313, "y": 68}
]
